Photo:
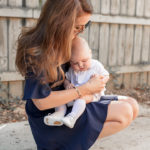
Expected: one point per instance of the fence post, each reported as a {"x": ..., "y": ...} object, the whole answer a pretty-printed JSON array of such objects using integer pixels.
[
  {"x": 3, "y": 50},
  {"x": 14, "y": 29}
]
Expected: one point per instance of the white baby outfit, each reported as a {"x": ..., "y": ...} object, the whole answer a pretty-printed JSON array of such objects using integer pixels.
[{"x": 81, "y": 77}]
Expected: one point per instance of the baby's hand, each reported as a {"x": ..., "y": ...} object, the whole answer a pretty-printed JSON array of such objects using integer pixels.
[{"x": 70, "y": 86}]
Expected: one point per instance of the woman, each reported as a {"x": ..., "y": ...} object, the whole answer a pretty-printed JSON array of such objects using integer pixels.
[{"x": 42, "y": 56}]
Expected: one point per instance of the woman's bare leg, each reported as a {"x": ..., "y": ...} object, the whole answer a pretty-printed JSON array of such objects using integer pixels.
[
  {"x": 120, "y": 115},
  {"x": 132, "y": 102}
]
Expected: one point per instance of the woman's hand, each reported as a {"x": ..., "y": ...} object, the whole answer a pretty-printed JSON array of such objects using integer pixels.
[
  {"x": 95, "y": 85},
  {"x": 106, "y": 78}
]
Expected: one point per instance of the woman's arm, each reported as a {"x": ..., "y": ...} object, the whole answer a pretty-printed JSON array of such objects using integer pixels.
[{"x": 57, "y": 98}]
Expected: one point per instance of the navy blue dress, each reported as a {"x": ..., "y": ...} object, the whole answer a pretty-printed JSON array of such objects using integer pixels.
[{"x": 85, "y": 131}]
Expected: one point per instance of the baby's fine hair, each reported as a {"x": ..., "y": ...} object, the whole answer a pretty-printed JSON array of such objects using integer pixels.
[{"x": 78, "y": 41}]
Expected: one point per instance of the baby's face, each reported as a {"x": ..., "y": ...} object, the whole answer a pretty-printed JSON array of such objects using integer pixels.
[{"x": 81, "y": 59}]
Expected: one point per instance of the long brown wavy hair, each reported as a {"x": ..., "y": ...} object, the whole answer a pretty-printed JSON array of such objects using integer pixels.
[{"x": 43, "y": 48}]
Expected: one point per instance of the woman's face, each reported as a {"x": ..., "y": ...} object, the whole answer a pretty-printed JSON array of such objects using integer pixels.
[{"x": 81, "y": 23}]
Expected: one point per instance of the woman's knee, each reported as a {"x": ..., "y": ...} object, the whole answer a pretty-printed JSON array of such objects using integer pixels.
[
  {"x": 126, "y": 115},
  {"x": 121, "y": 112},
  {"x": 132, "y": 102},
  {"x": 135, "y": 106}
]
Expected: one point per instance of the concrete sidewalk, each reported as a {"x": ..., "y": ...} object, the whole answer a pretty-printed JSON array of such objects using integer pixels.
[{"x": 17, "y": 136}]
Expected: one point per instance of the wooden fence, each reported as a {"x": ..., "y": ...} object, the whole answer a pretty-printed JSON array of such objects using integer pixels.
[{"x": 119, "y": 37}]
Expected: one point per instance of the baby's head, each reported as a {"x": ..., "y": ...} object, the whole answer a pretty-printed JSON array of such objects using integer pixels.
[{"x": 80, "y": 55}]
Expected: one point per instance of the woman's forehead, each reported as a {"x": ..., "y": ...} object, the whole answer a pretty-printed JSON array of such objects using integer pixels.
[{"x": 83, "y": 19}]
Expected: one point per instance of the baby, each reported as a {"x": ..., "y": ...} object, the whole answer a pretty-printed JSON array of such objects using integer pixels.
[{"x": 83, "y": 67}]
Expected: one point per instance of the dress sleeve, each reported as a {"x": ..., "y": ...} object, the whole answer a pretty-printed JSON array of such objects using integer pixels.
[{"x": 35, "y": 90}]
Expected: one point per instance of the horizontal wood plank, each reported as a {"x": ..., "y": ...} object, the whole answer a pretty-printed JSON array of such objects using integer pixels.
[
  {"x": 16, "y": 12},
  {"x": 10, "y": 76},
  {"x": 15, "y": 76},
  {"x": 119, "y": 20},
  {"x": 34, "y": 13},
  {"x": 129, "y": 68}
]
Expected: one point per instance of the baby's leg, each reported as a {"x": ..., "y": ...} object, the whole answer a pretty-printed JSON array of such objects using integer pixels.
[
  {"x": 60, "y": 111},
  {"x": 77, "y": 110}
]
